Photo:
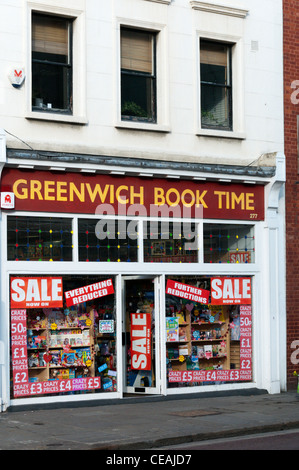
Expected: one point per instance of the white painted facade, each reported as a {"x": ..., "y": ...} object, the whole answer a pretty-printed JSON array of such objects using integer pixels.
[
  {"x": 95, "y": 129},
  {"x": 255, "y": 28}
]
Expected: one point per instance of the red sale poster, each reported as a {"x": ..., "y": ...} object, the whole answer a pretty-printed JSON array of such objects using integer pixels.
[
  {"x": 245, "y": 338},
  {"x": 36, "y": 292},
  {"x": 90, "y": 292},
  {"x": 19, "y": 348},
  {"x": 141, "y": 341},
  {"x": 57, "y": 386},
  {"x": 185, "y": 291}
]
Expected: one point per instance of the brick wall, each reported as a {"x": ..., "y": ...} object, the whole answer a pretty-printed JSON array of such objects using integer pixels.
[{"x": 291, "y": 73}]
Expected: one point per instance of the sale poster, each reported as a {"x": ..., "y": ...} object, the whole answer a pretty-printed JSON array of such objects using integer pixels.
[
  {"x": 230, "y": 291},
  {"x": 245, "y": 338},
  {"x": 187, "y": 292},
  {"x": 90, "y": 292},
  {"x": 56, "y": 386},
  {"x": 141, "y": 341},
  {"x": 19, "y": 347}
]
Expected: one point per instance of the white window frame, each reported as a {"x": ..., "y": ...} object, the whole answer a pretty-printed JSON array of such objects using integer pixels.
[
  {"x": 139, "y": 266},
  {"x": 237, "y": 77},
  {"x": 216, "y": 21},
  {"x": 78, "y": 64}
]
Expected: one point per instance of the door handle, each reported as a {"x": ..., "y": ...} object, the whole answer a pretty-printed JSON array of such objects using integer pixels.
[{"x": 125, "y": 338}]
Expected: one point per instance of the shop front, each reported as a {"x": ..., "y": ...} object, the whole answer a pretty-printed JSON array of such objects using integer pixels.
[{"x": 116, "y": 286}]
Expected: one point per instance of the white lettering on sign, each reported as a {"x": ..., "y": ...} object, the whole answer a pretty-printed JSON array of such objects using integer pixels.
[
  {"x": 36, "y": 292},
  {"x": 141, "y": 341}
]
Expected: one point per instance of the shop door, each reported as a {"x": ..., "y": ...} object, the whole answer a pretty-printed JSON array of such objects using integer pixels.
[{"x": 140, "y": 334}]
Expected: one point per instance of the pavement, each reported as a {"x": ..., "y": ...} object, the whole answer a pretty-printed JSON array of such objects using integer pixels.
[{"x": 146, "y": 423}]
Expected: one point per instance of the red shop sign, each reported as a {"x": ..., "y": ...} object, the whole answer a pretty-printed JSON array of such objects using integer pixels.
[
  {"x": 141, "y": 341},
  {"x": 90, "y": 292},
  {"x": 231, "y": 291},
  {"x": 36, "y": 292},
  {"x": 78, "y": 193}
]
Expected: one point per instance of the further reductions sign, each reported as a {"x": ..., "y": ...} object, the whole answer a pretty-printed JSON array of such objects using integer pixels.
[
  {"x": 36, "y": 292},
  {"x": 184, "y": 291},
  {"x": 90, "y": 292},
  {"x": 231, "y": 291},
  {"x": 141, "y": 341}
]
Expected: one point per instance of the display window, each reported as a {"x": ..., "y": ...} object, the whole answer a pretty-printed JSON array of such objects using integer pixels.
[
  {"x": 63, "y": 335},
  {"x": 106, "y": 240},
  {"x": 208, "y": 330},
  {"x": 170, "y": 242}
]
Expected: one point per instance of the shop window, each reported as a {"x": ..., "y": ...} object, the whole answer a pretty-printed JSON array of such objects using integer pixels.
[
  {"x": 226, "y": 243},
  {"x": 207, "y": 319},
  {"x": 107, "y": 240},
  {"x": 51, "y": 64},
  {"x": 170, "y": 242},
  {"x": 63, "y": 335},
  {"x": 216, "y": 85},
  {"x": 138, "y": 75},
  {"x": 39, "y": 239}
]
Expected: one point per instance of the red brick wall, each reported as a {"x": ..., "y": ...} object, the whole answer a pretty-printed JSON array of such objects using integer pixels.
[{"x": 291, "y": 73}]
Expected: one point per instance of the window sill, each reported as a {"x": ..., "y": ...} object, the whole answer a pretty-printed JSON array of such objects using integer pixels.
[
  {"x": 221, "y": 134},
  {"x": 52, "y": 117},
  {"x": 142, "y": 126},
  {"x": 166, "y": 2}
]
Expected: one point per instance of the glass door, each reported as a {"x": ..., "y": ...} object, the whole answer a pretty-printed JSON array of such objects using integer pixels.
[{"x": 140, "y": 333}]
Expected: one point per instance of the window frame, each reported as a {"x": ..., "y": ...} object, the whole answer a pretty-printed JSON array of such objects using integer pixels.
[
  {"x": 238, "y": 81},
  {"x": 162, "y": 124},
  {"x": 152, "y": 77},
  {"x": 77, "y": 15},
  {"x": 140, "y": 261},
  {"x": 228, "y": 86}
]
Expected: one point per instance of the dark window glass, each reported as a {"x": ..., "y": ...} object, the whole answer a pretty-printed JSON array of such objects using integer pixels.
[
  {"x": 138, "y": 75},
  {"x": 168, "y": 242},
  {"x": 226, "y": 243},
  {"x": 107, "y": 240},
  {"x": 216, "y": 85},
  {"x": 39, "y": 239},
  {"x": 51, "y": 64}
]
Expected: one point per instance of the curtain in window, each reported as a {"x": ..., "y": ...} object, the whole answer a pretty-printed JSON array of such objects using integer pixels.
[
  {"x": 50, "y": 35},
  {"x": 215, "y": 85},
  {"x": 136, "y": 51}
]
